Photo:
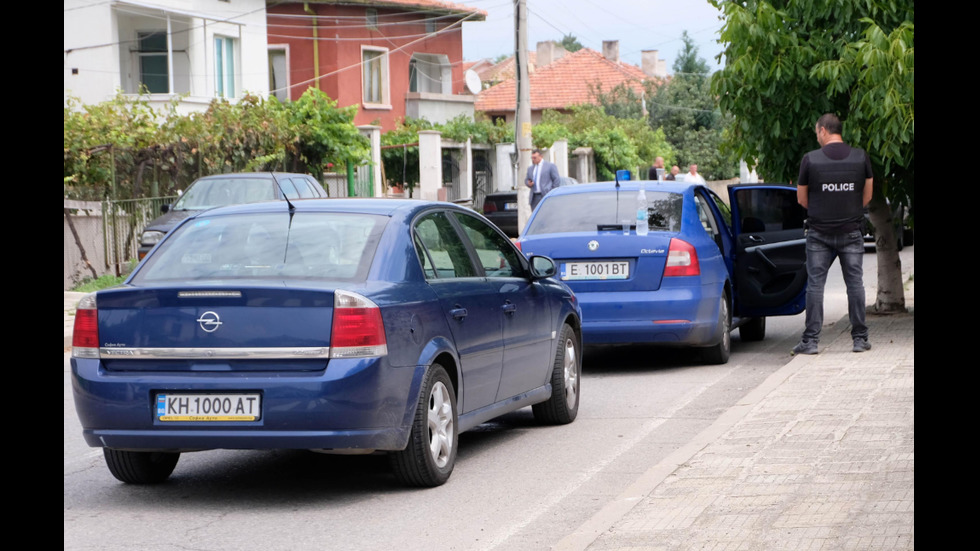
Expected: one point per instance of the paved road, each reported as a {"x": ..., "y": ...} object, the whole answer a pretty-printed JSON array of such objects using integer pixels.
[{"x": 516, "y": 485}]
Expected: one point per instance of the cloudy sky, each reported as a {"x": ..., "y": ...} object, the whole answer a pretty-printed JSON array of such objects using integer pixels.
[{"x": 637, "y": 24}]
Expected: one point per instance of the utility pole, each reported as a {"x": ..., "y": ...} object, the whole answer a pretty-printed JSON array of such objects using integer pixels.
[{"x": 522, "y": 132}]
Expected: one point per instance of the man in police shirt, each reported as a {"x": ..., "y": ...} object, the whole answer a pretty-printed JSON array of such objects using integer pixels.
[{"x": 834, "y": 186}]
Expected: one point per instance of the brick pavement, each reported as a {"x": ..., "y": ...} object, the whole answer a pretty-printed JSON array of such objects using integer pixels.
[{"x": 821, "y": 456}]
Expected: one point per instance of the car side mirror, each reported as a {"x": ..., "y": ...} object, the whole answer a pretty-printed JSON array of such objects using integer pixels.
[{"x": 542, "y": 267}]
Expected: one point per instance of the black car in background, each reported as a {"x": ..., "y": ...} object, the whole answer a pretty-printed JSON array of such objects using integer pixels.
[
  {"x": 219, "y": 190},
  {"x": 501, "y": 208}
]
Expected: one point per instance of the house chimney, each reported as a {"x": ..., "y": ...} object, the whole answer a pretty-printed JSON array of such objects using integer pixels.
[
  {"x": 610, "y": 50},
  {"x": 651, "y": 65},
  {"x": 544, "y": 53},
  {"x": 549, "y": 51}
]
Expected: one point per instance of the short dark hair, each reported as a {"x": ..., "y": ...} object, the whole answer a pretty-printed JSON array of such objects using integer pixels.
[
  {"x": 830, "y": 123},
  {"x": 536, "y": 150}
]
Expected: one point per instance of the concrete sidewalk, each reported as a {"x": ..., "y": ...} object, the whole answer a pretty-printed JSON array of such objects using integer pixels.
[{"x": 820, "y": 456}]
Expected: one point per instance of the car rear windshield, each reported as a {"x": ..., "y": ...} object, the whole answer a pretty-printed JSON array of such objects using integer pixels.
[
  {"x": 218, "y": 192},
  {"x": 588, "y": 212},
  {"x": 317, "y": 245}
]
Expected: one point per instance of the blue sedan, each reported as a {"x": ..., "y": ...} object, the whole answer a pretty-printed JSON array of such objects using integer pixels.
[
  {"x": 702, "y": 269},
  {"x": 341, "y": 326}
]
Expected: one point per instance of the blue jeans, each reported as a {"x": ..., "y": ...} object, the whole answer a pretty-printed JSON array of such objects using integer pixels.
[{"x": 821, "y": 249}]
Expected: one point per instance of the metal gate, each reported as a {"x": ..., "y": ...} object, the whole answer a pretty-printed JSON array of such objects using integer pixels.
[
  {"x": 482, "y": 176},
  {"x": 450, "y": 173},
  {"x": 123, "y": 222},
  {"x": 364, "y": 181}
]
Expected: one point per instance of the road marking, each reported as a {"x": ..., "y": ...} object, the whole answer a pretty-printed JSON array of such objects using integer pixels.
[
  {"x": 613, "y": 511},
  {"x": 576, "y": 482}
]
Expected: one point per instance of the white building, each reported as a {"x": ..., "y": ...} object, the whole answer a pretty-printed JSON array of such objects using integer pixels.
[{"x": 199, "y": 49}]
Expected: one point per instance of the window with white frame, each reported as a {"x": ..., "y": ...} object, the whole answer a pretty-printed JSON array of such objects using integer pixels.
[
  {"x": 279, "y": 71},
  {"x": 224, "y": 66},
  {"x": 153, "y": 67},
  {"x": 430, "y": 73},
  {"x": 374, "y": 67}
]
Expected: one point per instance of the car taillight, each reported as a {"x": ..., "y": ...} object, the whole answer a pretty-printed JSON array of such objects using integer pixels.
[
  {"x": 85, "y": 335},
  {"x": 682, "y": 259},
  {"x": 357, "y": 330},
  {"x": 518, "y": 245},
  {"x": 489, "y": 207}
]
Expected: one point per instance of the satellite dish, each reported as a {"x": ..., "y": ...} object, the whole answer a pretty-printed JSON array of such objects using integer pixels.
[{"x": 473, "y": 83}]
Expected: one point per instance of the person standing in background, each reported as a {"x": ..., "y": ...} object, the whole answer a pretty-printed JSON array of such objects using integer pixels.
[{"x": 542, "y": 177}]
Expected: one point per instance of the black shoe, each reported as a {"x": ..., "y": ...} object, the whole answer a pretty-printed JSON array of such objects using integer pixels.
[
  {"x": 861, "y": 345},
  {"x": 807, "y": 347}
]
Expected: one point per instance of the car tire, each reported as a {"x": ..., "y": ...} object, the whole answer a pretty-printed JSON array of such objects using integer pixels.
[
  {"x": 430, "y": 456},
  {"x": 140, "y": 467},
  {"x": 566, "y": 377},
  {"x": 719, "y": 353},
  {"x": 753, "y": 330}
]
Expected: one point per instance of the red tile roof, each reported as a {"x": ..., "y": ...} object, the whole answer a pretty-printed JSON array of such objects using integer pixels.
[
  {"x": 505, "y": 69},
  {"x": 564, "y": 83}
]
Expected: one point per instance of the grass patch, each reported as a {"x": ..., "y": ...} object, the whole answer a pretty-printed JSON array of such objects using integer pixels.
[{"x": 90, "y": 285}]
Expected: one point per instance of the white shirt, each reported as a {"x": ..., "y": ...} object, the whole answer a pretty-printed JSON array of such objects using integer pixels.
[{"x": 693, "y": 178}]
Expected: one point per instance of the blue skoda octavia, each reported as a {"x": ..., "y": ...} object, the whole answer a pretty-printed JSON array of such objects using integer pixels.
[
  {"x": 702, "y": 269},
  {"x": 341, "y": 326}
]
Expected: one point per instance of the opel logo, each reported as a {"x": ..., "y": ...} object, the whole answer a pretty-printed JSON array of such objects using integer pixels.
[
  {"x": 593, "y": 245},
  {"x": 209, "y": 322}
]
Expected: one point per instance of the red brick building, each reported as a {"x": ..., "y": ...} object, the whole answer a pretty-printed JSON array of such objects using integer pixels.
[{"x": 391, "y": 58}]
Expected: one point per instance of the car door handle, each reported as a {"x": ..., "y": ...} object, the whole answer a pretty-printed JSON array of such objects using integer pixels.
[
  {"x": 458, "y": 313},
  {"x": 755, "y": 239},
  {"x": 509, "y": 307}
]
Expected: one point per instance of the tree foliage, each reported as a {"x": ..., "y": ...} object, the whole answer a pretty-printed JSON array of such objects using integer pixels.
[
  {"x": 570, "y": 43},
  {"x": 788, "y": 62},
  {"x": 688, "y": 61},
  {"x": 401, "y": 164},
  {"x": 126, "y": 149},
  {"x": 621, "y": 101},
  {"x": 687, "y": 111},
  {"x": 618, "y": 143}
]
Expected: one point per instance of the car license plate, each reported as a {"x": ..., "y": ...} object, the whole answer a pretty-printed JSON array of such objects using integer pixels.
[
  {"x": 612, "y": 269},
  {"x": 209, "y": 407},
  {"x": 510, "y": 206}
]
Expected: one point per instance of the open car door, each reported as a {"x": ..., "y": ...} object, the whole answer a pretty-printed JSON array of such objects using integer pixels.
[{"x": 770, "y": 250}]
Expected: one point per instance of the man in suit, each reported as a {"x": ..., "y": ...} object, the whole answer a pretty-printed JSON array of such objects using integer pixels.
[{"x": 542, "y": 177}]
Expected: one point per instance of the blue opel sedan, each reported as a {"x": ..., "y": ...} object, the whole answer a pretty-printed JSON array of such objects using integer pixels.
[
  {"x": 702, "y": 269},
  {"x": 336, "y": 325}
]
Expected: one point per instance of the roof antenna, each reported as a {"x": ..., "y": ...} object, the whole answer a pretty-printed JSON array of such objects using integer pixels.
[
  {"x": 292, "y": 207},
  {"x": 617, "y": 196}
]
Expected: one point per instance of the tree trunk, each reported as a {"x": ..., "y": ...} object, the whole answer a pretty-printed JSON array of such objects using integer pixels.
[{"x": 891, "y": 288}]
